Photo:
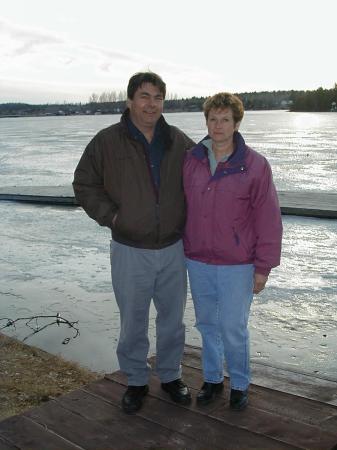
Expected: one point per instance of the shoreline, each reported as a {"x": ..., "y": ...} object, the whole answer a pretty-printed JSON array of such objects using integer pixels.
[{"x": 30, "y": 376}]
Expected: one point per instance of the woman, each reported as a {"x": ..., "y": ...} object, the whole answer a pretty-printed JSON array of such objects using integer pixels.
[{"x": 232, "y": 241}]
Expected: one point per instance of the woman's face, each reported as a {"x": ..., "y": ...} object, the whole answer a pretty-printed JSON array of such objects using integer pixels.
[{"x": 221, "y": 125}]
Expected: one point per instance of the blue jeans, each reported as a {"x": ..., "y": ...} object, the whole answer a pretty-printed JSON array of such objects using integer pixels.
[{"x": 222, "y": 296}]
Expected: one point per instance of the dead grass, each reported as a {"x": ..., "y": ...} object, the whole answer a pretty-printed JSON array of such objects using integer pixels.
[{"x": 29, "y": 376}]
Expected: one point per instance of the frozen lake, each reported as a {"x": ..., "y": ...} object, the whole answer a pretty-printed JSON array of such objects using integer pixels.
[
  {"x": 301, "y": 147},
  {"x": 55, "y": 259}
]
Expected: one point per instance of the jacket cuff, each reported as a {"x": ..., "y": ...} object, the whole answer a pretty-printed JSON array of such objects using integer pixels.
[{"x": 262, "y": 270}]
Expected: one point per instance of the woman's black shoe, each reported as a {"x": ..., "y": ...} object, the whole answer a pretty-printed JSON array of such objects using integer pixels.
[
  {"x": 208, "y": 393},
  {"x": 239, "y": 399}
]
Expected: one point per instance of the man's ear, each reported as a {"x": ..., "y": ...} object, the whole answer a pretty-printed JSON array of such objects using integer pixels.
[
  {"x": 237, "y": 125},
  {"x": 128, "y": 103}
]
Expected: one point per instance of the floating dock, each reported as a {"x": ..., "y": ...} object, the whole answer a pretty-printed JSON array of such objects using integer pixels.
[
  {"x": 286, "y": 411},
  {"x": 298, "y": 203},
  {"x": 47, "y": 195}
]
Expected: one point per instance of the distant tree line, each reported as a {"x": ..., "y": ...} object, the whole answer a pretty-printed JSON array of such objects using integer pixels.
[
  {"x": 318, "y": 100},
  {"x": 117, "y": 96},
  {"x": 114, "y": 102},
  {"x": 266, "y": 100},
  {"x": 108, "y": 97},
  {"x": 251, "y": 100}
]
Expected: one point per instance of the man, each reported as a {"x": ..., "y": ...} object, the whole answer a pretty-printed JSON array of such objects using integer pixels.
[{"x": 130, "y": 180}]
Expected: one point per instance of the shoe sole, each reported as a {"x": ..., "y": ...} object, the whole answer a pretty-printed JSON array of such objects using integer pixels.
[
  {"x": 205, "y": 402},
  {"x": 239, "y": 408}
]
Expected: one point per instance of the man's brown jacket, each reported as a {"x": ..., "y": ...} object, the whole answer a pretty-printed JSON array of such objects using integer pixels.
[{"x": 113, "y": 178}]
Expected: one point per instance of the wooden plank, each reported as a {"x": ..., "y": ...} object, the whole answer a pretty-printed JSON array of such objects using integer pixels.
[
  {"x": 24, "y": 434},
  {"x": 260, "y": 422},
  {"x": 45, "y": 191},
  {"x": 209, "y": 431},
  {"x": 6, "y": 446},
  {"x": 48, "y": 195},
  {"x": 144, "y": 433},
  {"x": 301, "y": 409},
  {"x": 309, "y": 203},
  {"x": 279, "y": 428},
  {"x": 300, "y": 384},
  {"x": 93, "y": 424},
  {"x": 48, "y": 200},
  {"x": 92, "y": 418}
]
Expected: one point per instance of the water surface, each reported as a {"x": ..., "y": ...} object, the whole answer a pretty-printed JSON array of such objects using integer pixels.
[
  {"x": 55, "y": 259},
  {"x": 301, "y": 147}
]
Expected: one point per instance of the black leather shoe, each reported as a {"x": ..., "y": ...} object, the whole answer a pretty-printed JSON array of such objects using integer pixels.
[
  {"x": 238, "y": 400},
  {"x": 178, "y": 391},
  {"x": 208, "y": 393},
  {"x": 133, "y": 398}
]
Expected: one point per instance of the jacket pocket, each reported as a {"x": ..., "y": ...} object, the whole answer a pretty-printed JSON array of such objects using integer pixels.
[{"x": 245, "y": 243}]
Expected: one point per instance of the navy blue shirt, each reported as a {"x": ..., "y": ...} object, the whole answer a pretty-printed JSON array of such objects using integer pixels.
[{"x": 154, "y": 150}]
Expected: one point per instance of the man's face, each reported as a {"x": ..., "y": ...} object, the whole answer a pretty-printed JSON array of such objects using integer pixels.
[
  {"x": 221, "y": 125},
  {"x": 146, "y": 106}
]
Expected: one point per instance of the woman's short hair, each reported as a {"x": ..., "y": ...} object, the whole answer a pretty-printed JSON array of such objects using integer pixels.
[
  {"x": 140, "y": 78},
  {"x": 224, "y": 100}
]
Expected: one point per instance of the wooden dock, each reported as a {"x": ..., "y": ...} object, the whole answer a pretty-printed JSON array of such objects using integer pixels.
[
  {"x": 287, "y": 411},
  {"x": 299, "y": 203},
  {"x": 47, "y": 195}
]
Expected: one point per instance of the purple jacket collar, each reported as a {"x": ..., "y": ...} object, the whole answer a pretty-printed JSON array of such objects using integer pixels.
[
  {"x": 234, "y": 164},
  {"x": 236, "y": 158}
]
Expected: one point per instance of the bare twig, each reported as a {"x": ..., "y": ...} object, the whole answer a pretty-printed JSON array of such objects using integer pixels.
[{"x": 37, "y": 327}]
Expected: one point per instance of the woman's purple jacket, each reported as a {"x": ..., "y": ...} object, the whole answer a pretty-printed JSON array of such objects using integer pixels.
[{"x": 233, "y": 217}]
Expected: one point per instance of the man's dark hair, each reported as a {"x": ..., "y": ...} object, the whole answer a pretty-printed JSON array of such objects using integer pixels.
[{"x": 140, "y": 78}]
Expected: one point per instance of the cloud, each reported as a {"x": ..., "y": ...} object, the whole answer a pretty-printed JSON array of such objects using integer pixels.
[
  {"x": 110, "y": 54},
  {"x": 17, "y": 42},
  {"x": 44, "y": 57},
  {"x": 24, "y": 40},
  {"x": 43, "y": 91}
]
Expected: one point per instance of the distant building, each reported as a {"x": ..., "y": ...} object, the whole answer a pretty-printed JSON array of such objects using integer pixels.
[{"x": 285, "y": 104}]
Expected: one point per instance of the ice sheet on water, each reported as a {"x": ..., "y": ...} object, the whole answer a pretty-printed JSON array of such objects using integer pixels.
[
  {"x": 55, "y": 258},
  {"x": 301, "y": 147}
]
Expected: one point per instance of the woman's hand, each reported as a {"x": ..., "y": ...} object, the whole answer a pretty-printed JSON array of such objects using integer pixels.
[{"x": 259, "y": 282}]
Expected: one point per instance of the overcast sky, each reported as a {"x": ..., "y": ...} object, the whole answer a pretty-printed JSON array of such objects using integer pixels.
[{"x": 64, "y": 50}]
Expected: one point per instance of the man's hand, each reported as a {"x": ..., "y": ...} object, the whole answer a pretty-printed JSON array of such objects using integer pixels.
[{"x": 259, "y": 282}]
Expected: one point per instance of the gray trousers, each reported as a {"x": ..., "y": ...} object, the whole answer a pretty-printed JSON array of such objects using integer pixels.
[{"x": 139, "y": 275}]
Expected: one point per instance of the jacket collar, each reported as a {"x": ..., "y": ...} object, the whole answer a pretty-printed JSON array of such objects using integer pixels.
[{"x": 236, "y": 158}]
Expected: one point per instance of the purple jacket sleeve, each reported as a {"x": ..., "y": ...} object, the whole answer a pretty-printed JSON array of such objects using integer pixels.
[{"x": 267, "y": 222}]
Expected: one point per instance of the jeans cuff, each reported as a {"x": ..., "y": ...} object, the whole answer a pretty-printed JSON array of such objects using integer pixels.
[
  {"x": 239, "y": 388},
  {"x": 213, "y": 380}
]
